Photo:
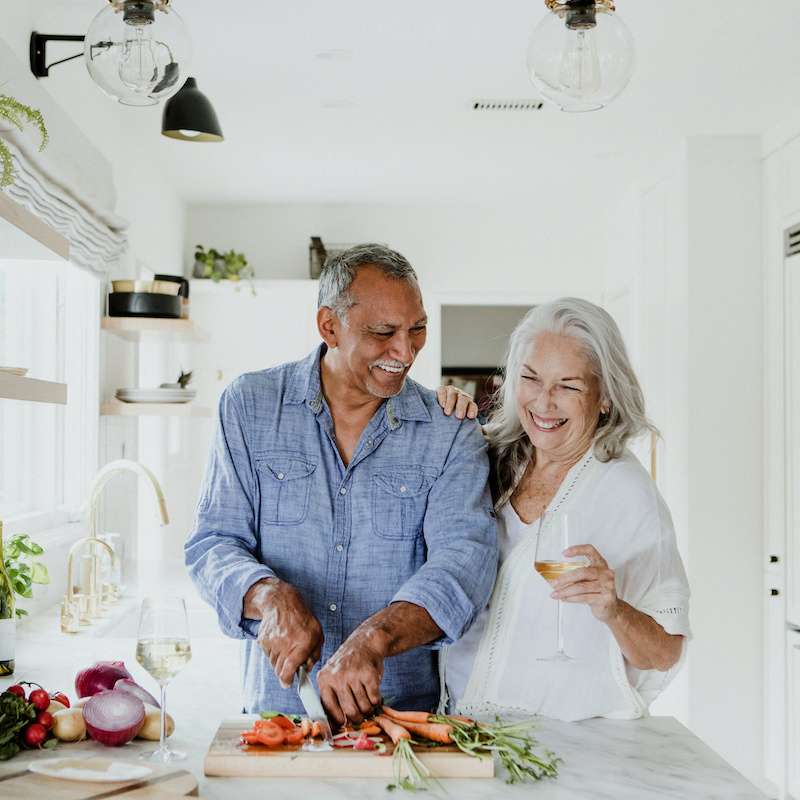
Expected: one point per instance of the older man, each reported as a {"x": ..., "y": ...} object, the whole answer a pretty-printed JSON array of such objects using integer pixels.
[{"x": 344, "y": 520}]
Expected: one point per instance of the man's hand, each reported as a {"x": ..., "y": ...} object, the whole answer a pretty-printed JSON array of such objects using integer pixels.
[
  {"x": 289, "y": 634},
  {"x": 350, "y": 683}
]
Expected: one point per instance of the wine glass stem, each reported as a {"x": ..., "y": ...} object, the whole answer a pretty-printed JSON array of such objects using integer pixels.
[
  {"x": 162, "y": 744},
  {"x": 558, "y": 629}
]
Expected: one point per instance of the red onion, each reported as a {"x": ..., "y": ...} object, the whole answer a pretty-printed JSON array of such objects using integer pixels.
[
  {"x": 131, "y": 687},
  {"x": 100, "y": 676},
  {"x": 113, "y": 718}
]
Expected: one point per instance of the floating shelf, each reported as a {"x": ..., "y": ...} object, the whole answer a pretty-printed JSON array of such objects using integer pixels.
[
  {"x": 24, "y": 235},
  {"x": 17, "y": 387},
  {"x": 132, "y": 328},
  {"x": 115, "y": 408}
]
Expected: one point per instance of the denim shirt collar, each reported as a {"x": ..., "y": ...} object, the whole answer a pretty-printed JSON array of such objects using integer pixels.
[{"x": 306, "y": 387}]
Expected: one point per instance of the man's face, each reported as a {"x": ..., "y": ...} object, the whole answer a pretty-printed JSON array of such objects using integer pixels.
[{"x": 385, "y": 330}]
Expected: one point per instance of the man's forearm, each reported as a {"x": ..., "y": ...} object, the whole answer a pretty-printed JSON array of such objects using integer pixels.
[
  {"x": 399, "y": 627},
  {"x": 644, "y": 643},
  {"x": 258, "y": 597}
]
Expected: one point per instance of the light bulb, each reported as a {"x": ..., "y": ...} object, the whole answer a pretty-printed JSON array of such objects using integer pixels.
[
  {"x": 138, "y": 69},
  {"x": 580, "y": 74}
]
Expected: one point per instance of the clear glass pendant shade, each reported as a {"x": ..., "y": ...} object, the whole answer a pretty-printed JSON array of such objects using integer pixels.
[
  {"x": 138, "y": 51},
  {"x": 581, "y": 59}
]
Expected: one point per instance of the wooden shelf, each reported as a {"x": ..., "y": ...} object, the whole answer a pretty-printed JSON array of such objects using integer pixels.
[
  {"x": 116, "y": 408},
  {"x": 24, "y": 235},
  {"x": 132, "y": 328},
  {"x": 17, "y": 387}
]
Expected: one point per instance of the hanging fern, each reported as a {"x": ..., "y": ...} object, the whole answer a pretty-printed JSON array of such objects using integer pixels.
[{"x": 17, "y": 114}]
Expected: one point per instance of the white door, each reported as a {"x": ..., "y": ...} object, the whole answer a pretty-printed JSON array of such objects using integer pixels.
[
  {"x": 793, "y": 439},
  {"x": 793, "y": 716}
]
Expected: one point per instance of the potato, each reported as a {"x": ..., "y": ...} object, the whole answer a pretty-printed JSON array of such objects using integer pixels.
[
  {"x": 151, "y": 727},
  {"x": 68, "y": 725},
  {"x": 55, "y": 706}
]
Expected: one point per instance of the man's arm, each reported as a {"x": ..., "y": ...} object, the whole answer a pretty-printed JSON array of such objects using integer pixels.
[
  {"x": 221, "y": 555},
  {"x": 442, "y": 599}
]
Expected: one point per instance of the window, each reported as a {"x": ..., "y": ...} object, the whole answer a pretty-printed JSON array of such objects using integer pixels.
[{"x": 49, "y": 323}]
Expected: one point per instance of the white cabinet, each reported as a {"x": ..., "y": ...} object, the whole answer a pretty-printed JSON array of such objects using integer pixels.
[{"x": 793, "y": 715}]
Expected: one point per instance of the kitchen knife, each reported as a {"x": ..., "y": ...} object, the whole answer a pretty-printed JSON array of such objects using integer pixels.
[{"x": 312, "y": 704}]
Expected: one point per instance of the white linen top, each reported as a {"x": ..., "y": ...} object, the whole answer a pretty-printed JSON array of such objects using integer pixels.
[{"x": 493, "y": 668}]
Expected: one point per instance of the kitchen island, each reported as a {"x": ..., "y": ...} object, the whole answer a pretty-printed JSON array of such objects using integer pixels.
[{"x": 625, "y": 760}]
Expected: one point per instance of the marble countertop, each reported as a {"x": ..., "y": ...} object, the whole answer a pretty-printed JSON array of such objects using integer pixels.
[{"x": 624, "y": 760}]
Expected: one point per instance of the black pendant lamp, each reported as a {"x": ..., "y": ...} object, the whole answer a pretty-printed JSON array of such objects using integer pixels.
[{"x": 189, "y": 116}]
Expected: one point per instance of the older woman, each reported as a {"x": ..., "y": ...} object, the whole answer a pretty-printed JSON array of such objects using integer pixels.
[{"x": 569, "y": 404}]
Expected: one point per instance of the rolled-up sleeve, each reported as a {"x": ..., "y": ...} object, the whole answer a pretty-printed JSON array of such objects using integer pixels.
[
  {"x": 460, "y": 532},
  {"x": 220, "y": 551}
]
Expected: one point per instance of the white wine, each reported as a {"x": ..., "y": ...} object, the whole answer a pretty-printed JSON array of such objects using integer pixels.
[
  {"x": 550, "y": 570},
  {"x": 8, "y": 619},
  {"x": 163, "y": 658}
]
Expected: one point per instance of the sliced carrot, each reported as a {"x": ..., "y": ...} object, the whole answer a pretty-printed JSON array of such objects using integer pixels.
[
  {"x": 395, "y": 730},
  {"x": 370, "y": 728},
  {"x": 406, "y": 716},
  {"x": 435, "y": 731}
]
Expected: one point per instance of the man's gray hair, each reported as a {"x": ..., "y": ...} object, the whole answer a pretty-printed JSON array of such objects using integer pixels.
[
  {"x": 620, "y": 392},
  {"x": 340, "y": 271}
]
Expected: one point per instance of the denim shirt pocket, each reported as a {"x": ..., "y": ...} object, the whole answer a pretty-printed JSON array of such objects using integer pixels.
[
  {"x": 399, "y": 501},
  {"x": 285, "y": 484}
]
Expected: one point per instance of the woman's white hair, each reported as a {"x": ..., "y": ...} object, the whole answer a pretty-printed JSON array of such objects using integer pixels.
[{"x": 510, "y": 448}]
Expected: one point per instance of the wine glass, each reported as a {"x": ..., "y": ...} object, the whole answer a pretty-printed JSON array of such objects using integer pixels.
[
  {"x": 163, "y": 649},
  {"x": 550, "y": 562}
]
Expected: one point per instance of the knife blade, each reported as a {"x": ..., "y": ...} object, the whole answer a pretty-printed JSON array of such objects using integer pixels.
[{"x": 309, "y": 697}]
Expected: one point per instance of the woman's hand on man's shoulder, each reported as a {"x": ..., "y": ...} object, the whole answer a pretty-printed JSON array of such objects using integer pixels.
[{"x": 454, "y": 401}]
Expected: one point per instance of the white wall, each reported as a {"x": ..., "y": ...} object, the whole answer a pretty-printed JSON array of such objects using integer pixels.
[{"x": 694, "y": 290}]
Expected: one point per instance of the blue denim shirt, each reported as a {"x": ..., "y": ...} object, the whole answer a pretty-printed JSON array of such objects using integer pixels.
[{"x": 410, "y": 518}]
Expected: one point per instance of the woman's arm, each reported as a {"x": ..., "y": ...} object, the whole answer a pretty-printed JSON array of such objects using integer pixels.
[{"x": 644, "y": 643}]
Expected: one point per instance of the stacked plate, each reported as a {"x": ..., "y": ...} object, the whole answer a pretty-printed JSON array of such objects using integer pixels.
[{"x": 155, "y": 395}]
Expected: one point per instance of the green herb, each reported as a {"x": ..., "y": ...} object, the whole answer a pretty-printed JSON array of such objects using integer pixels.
[
  {"x": 20, "y": 554},
  {"x": 15, "y": 714},
  {"x": 513, "y": 743},
  {"x": 218, "y": 266},
  {"x": 17, "y": 114}
]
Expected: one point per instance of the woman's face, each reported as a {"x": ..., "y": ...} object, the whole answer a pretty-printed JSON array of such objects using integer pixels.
[{"x": 558, "y": 397}]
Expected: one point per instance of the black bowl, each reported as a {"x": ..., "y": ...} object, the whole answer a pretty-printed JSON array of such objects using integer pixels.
[{"x": 144, "y": 304}]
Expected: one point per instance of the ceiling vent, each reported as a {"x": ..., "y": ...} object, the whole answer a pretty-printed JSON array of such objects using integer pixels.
[
  {"x": 791, "y": 241},
  {"x": 507, "y": 105}
]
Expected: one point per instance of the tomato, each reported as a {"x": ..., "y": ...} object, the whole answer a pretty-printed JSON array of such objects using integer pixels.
[
  {"x": 34, "y": 735},
  {"x": 18, "y": 690},
  {"x": 270, "y": 735},
  {"x": 60, "y": 697},
  {"x": 45, "y": 719},
  {"x": 283, "y": 722},
  {"x": 39, "y": 699},
  {"x": 295, "y": 737}
]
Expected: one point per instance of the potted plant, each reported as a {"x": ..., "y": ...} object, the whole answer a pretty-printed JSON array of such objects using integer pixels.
[
  {"x": 229, "y": 266},
  {"x": 17, "y": 114},
  {"x": 23, "y": 568}
]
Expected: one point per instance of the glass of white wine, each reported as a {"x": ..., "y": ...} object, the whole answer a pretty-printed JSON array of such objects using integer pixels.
[
  {"x": 163, "y": 649},
  {"x": 551, "y": 563}
]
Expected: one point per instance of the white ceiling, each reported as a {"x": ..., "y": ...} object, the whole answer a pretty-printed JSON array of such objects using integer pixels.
[{"x": 383, "y": 115}]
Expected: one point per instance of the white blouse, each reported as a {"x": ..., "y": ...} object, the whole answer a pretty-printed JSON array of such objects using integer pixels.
[{"x": 493, "y": 668}]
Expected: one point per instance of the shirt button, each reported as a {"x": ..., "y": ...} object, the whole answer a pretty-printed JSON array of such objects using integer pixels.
[
  {"x": 342, "y": 490},
  {"x": 402, "y": 488},
  {"x": 281, "y": 476},
  {"x": 339, "y": 548},
  {"x": 332, "y": 606}
]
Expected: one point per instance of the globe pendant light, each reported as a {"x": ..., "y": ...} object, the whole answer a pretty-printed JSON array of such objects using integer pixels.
[
  {"x": 137, "y": 51},
  {"x": 581, "y": 55}
]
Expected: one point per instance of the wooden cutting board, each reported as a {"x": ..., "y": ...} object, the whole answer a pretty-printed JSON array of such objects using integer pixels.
[
  {"x": 170, "y": 785},
  {"x": 226, "y": 757}
]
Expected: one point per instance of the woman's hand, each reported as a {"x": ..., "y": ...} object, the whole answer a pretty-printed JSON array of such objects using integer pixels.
[
  {"x": 593, "y": 584},
  {"x": 452, "y": 399}
]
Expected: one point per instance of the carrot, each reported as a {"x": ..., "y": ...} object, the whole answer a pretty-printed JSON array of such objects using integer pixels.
[
  {"x": 435, "y": 731},
  {"x": 406, "y": 716},
  {"x": 396, "y": 731},
  {"x": 459, "y": 718},
  {"x": 370, "y": 728}
]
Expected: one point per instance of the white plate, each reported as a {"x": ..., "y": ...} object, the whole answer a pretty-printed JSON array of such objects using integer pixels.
[
  {"x": 155, "y": 395},
  {"x": 94, "y": 770}
]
